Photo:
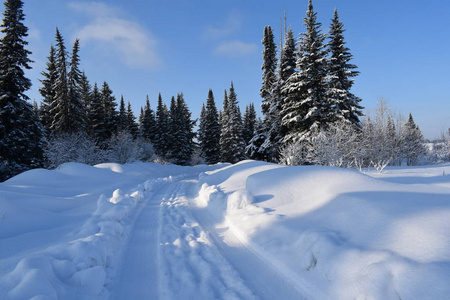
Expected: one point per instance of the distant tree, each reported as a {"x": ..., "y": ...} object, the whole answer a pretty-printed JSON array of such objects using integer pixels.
[
  {"x": 85, "y": 90},
  {"x": 305, "y": 107},
  {"x": 341, "y": 71},
  {"x": 148, "y": 122},
  {"x": 183, "y": 138},
  {"x": 413, "y": 143},
  {"x": 47, "y": 92},
  {"x": 209, "y": 131},
  {"x": 98, "y": 128},
  {"x": 20, "y": 131}
]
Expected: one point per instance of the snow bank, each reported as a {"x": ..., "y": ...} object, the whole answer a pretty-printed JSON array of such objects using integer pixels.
[{"x": 351, "y": 235}]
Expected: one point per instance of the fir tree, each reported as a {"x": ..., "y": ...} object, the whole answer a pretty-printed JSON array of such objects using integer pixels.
[
  {"x": 47, "y": 92},
  {"x": 412, "y": 142},
  {"x": 98, "y": 129},
  {"x": 111, "y": 114},
  {"x": 269, "y": 67},
  {"x": 122, "y": 123},
  {"x": 249, "y": 123},
  {"x": 61, "y": 109},
  {"x": 209, "y": 131},
  {"x": 20, "y": 132},
  {"x": 131, "y": 122},
  {"x": 183, "y": 144},
  {"x": 148, "y": 122},
  {"x": 232, "y": 145},
  {"x": 305, "y": 107},
  {"x": 85, "y": 94},
  {"x": 77, "y": 109},
  {"x": 341, "y": 71},
  {"x": 162, "y": 128}
]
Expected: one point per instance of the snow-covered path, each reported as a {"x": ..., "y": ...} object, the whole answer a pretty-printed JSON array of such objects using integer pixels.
[{"x": 173, "y": 255}]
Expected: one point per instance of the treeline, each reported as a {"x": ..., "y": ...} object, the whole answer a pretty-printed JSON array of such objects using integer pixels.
[{"x": 310, "y": 114}]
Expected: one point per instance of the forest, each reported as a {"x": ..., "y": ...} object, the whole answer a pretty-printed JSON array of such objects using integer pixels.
[{"x": 309, "y": 114}]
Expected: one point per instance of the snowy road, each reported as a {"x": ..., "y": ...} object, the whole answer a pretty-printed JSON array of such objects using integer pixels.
[{"x": 172, "y": 255}]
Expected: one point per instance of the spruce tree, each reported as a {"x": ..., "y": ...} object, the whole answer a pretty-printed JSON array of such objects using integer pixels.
[
  {"x": 77, "y": 109},
  {"x": 209, "y": 131},
  {"x": 47, "y": 92},
  {"x": 162, "y": 128},
  {"x": 412, "y": 142},
  {"x": 61, "y": 110},
  {"x": 131, "y": 122},
  {"x": 183, "y": 142},
  {"x": 305, "y": 106},
  {"x": 232, "y": 145},
  {"x": 98, "y": 129},
  {"x": 345, "y": 105},
  {"x": 20, "y": 132},
  {"x": 269, "y": 70},
  {"x": 111, "y": 114},
  {"x": 148, "y": 122},
  {"x": 122, "y": 123},
  {"x": 249, "y": 123}
]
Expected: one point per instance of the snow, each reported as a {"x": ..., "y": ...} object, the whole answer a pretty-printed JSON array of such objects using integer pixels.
[{"x": 251, "y": 230}]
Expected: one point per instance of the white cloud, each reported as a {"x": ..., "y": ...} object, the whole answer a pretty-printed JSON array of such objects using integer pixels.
[
  {"x": 235, "y": 49},
  {"x": 112, "y": 31}
]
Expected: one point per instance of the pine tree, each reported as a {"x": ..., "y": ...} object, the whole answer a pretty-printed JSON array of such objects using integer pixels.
[
  {"x": 183, "y": 140},
  {"x": 76, "y": 105},
  {"x": 98, "y": 129},
  {"x": 231, "y": 141},
  {"x": 61, "y": 109},
  {"x": 412, "y": 142},
  {"x": 122, "y": 123},
  {"x": 131, "y": 122},
  {"x": 209, "y": 131},
  {"x": 249, "y": 123},
  {"x": 341, "y": 71},
  {"x": 109, "y": 104},
  {"x": 20, "y": 132},
  {"x": 148, "y": 122},
  {"x": 269, "y": 70},
  {"x": 305, "y": 107},
  {"x": 85, "y": 94},
  {"x": 47, "y": 92},
  {"x": 162, "y": 129}
]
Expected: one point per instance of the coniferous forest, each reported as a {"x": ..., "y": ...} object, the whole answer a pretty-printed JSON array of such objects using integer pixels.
[{"x": 309, "y": 113}]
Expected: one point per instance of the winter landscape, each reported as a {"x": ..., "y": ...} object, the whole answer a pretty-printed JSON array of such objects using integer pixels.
[{"x": 313, "y": 197}]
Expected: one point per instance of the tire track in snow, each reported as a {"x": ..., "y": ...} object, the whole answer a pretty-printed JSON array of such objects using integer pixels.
[{"x": 192, "y": 267}]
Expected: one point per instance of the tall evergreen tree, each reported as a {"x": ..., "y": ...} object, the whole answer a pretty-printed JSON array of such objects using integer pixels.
[
  {"x": 61, "y": 110},
  {"x": 249, "y": 123},
  {"x": 162, "y": 128},
  {"x": 131, "y": 122},
  {"x": 85, "y": 90},
  {"x": 209, "y": 131},
  {"x": 341, "y": 71},
  {"x": 77, "y": 109},
  {"x": 20, "y": 133},
  {"x": 269, "y": 70},
  {"x": 122, "y": 123},
  {"x": 148, "y": 122},
  {"x": 47, "y": 92},
  {"x": 109, "y": 105},
  {"x": 98, "y": 129},
  {"x": 306, "y": 107},
  {"x": 231, "y": 141},
  {"x": 183, "y": 139}
]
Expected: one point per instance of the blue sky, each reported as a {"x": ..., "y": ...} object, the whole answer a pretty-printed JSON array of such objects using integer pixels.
[{"x": 145, "y": 47}]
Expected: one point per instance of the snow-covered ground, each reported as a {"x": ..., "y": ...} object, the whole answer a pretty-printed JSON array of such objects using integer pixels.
[{"x": 252, "y": 230}]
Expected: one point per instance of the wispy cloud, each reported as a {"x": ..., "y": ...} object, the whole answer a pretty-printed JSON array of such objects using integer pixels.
[
  {"x": 235, "y": 49},
  {"x": 225, "y": 28},
  {"x": 114, "y": 32}
]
